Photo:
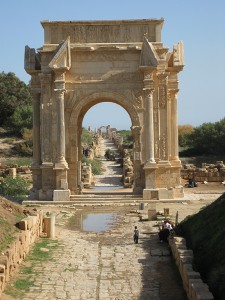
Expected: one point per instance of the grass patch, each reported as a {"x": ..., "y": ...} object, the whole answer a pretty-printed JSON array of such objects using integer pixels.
[
  {"x": 41, "y": 251},
  {"x": 6, "y": 233}
]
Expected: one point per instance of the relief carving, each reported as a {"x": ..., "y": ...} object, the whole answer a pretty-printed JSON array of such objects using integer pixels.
[
  {"x": 163, "y": 142},
  {"x": 162, "y": 96},
  {"x": 156, "y": 149},
  {"x": 139, "y": 98}
]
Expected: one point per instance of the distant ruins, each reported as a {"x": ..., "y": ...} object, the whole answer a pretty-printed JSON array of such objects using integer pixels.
[{"x": 83, "y": 63}]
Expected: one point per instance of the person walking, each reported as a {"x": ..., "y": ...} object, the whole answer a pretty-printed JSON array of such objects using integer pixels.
[{"x": 136, "y": 235}]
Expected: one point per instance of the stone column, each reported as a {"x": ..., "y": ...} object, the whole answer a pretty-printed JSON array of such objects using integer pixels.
[
  {"x": 150, "y": 158},
  {"x": 61, "y": 193},
  {"x": 174, "y": 125},
  {"x": 46, "y": 119},
  {"x": 149, "y": 115},
  {"x": 138, "y": 184},
  {"x": 36, "y": 92},
  {"x": 60, "y": 160},
  {"x": 163, "y": 106},
  {"x": 48, "y": 182},
  {"x": 150, "y": 164},
  {"x": 35, "y": 167}
]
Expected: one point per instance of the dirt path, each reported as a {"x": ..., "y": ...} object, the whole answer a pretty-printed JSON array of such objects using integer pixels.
[{"x": 112, "y": 174}]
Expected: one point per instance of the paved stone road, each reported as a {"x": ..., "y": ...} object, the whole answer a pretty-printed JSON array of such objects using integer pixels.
[{"x": 109, "y": 266}]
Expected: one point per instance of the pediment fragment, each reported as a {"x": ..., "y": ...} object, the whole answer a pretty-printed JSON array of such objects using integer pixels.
[
  {"x": 149, "y": 57},
  {"x": 31, "y": 60},
  {"x": 62, "y": 58},
  {"x": 176, "y": 58}
]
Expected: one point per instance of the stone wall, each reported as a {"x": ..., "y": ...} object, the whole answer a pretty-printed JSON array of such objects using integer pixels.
[
  {"x": 208, "y": 172},
  {"x": 31, "y": 228},
  {"x": 86, "y": 175},
  {"x": 14, "y": 170},
  {"x": 195, "y": 288}
]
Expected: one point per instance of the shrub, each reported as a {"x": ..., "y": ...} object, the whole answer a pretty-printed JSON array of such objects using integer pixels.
[
  {"x": 16, "y": 187},
  {"x": 95, "y": 164}
]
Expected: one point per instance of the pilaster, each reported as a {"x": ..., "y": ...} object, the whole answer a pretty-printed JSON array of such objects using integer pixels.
[
  {"x": 46, "y": 120},
  {"x": 163, "y": 107},
  {"x": 174, "y": 127}
]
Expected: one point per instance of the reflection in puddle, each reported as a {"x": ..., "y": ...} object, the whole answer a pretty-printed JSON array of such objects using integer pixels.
[{"x": 92, "y": 222}]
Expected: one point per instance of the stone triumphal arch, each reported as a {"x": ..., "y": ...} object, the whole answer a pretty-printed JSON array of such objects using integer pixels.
[{"x": 83, "y": 63}]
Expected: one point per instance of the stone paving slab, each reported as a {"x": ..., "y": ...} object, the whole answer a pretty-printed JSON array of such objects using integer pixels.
[{"x": 108, "y": 265}]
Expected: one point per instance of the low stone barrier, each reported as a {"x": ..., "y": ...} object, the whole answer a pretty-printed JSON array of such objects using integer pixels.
[
  {"x": 208, "y": 172},
  {"x": 195, "y": 288},
  {"x": 31, "y": 228}
]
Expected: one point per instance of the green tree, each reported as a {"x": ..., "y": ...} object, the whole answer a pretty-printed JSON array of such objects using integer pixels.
[
  {"x": 14, "y": 93},
  {"x": 184, "y": 132},
  {"x": 21, "y": 119},
  {"x": 209, "y": 138}
]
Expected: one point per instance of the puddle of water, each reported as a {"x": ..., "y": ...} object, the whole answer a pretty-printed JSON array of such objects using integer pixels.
[
  {"x": 105, "y": 187},
  {"x": 95, "y": 222}
]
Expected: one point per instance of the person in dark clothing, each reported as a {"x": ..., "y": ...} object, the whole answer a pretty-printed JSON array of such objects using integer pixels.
[{"x": 136, "y": 235}]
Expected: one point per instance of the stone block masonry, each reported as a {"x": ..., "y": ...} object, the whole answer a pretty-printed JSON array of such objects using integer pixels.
[
  {"x": 31, "y": 228},
  {"x": 195, "y": 288}
]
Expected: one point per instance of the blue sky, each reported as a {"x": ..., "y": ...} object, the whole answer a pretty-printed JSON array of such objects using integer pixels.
[{"x": 200, "y": 24}]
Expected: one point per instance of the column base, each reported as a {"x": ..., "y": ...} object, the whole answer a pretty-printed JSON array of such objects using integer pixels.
[
  {"x": 45, "y": 195},
  {"x": 34, "y": 194},
  {"x": 163, "y": 193},
  {"x": 150, "y": 165},
  {"x": 61, "y": 195},
  {"x": 61, "y": 166},
  {"x": 176, "y": 163}
]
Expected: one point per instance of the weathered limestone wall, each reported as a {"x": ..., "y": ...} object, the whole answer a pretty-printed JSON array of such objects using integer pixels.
[
  {"x": 31, "y": 228},
  {"x": 208, "y": 172},
  {"x": 195, "y": 288},
  {"x": 13, "y": 170},
  {"x": 84, "y": 63}
]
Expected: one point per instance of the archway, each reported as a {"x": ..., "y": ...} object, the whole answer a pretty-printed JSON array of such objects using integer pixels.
[
  {"x": 104, "y": 169},
  {"x": 74, "y": 119},
  {"x": 124, "y": 62}
]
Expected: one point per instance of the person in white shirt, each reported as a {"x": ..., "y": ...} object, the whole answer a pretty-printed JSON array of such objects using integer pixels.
[{"x": 165, "y": 231}]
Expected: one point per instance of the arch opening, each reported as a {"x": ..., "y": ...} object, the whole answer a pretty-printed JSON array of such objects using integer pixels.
[{"x": 104, "y": 165}]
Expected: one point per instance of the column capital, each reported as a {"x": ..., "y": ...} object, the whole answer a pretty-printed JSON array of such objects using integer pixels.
[
  {"x": 59, "y": 91},
  {"x": 173, "y": 92},
  {"x": 163, "y": 77},
  {"x": 148, "y": 92},
  {"x": 136, "y": 129}
]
